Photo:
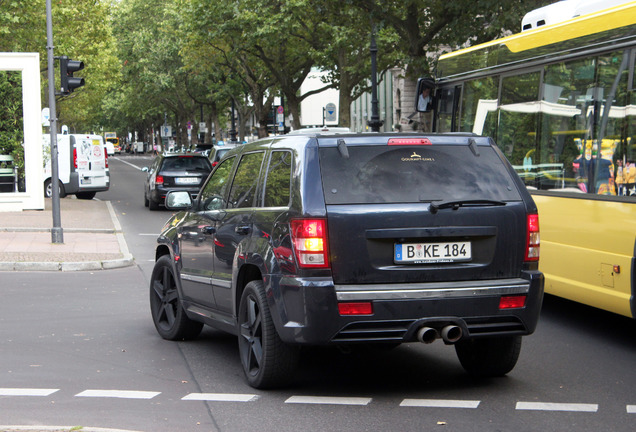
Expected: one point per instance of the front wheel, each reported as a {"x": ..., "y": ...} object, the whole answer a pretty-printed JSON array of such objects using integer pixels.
[
  {"x": 168, "y": 314},
  {"x": 489, "y": 357},
  {"x": 267, "y": 361}
]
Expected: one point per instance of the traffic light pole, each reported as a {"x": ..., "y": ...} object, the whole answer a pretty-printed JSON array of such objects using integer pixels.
[{"x": 57, "y": 234}]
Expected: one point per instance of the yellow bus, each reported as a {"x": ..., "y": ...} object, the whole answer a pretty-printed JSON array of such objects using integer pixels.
[{"x": 560, "y": 102}]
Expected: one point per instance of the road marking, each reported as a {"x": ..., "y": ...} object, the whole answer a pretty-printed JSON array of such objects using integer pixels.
[
  {"x": 326, "y": 400},
  {"x": 220, "y": 397},
  {"x": 631, "y": 409},
  {"x": 123, "y": 394},
  {"x": 149, "y": 234},
  {"x": 127, "y": 163},
  {"x": 27, "y": 391},
  {"x": 548, "y": 406},
  {"x": 440, "y": 403}
]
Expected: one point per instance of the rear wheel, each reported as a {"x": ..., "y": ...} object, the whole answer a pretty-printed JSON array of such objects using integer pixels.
[
  {"x": 168, "y": 314},
  {"x": 489, "y": 357},
  {"x": 153, "y": 205},
  {"x": 48, "y": 189},
  {"x": 86, "y": 195},
  {"x": 267, "y": 361},
  {"x": 146, "y": 202}
]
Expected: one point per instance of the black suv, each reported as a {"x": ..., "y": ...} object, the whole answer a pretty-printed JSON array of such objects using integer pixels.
[
  {"x": 185, "y": 172},
  {"x": 354, "y": 239}
]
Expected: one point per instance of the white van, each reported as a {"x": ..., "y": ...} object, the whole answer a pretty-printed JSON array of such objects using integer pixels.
[{"x": 82, "y": 165}]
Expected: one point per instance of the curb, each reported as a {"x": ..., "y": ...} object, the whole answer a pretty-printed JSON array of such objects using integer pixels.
[{"x": 127, "y": 260}]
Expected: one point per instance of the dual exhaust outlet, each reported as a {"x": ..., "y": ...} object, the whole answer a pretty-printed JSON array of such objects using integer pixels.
[{"x": 449, "y": 334}]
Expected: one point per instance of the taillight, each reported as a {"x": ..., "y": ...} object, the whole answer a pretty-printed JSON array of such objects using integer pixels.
[
  {"x": 309, "y": 237},
  {"x": 533, "y": 241},
  {"x": 512, "y": 302},
  {"x": 75, "y": 158},
  {"x": 106, "y": 158},
  {"x": 357, "y": 308},
  {"x": 159, "y": 179}
]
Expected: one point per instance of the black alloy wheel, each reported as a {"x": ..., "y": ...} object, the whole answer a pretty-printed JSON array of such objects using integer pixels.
[
  {"x": 267, "y": 361},
  {"x": 168, "y": 314}
]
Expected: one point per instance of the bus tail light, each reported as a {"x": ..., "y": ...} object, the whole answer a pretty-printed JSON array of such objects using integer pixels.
[
  {"x": 533, "y": 241},
  {"x": 309, "y": 237}
]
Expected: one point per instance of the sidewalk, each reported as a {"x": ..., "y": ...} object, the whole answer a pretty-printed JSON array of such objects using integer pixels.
[{"x": 92, "y": 238}]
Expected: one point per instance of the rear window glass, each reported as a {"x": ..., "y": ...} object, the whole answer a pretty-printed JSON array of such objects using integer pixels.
[
  {"x": 407, "y": 174},
  {"x": 181, "y": 163}
]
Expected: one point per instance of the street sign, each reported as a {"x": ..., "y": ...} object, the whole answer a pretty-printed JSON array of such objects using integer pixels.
[
  {"x": 280, "y": 110},
  {"x": 166, "y": 131},
  {"x": 330, "y": 113},
  {"x": 46, "y": 116}
]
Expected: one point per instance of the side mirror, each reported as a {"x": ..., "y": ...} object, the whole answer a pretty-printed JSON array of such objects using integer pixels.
[
  {"x": 145, "y": 169},
  {"x": 178, "y": 200},
  {"x": 425, "y": 95}
]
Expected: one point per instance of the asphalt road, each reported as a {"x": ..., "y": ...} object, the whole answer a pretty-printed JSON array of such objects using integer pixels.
[{"x": 80, "y": 349}]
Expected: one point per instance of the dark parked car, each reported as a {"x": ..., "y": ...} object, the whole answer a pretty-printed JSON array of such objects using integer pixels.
[
  {"x": 354, "y": 239},
  {"x": 184, "y": 172},
  {"x": 218, "y": 150}
]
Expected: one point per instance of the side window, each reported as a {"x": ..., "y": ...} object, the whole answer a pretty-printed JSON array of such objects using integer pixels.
[
  {"x": 214, "y": 190},
  {"x": 245, "y": 181},
  {"x": 277, "y": 187}
]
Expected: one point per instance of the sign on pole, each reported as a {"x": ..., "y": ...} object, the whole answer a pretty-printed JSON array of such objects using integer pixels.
[{"x": 330, "y": 113}]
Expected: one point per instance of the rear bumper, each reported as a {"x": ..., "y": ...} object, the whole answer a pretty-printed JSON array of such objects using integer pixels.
[
  {"x": 78, "y": 184},
  {"x": 158, "y": 195},
  {"x": 308, "y": 309}
]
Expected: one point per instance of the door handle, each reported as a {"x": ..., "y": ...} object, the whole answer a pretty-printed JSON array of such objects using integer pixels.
[{"x": 242, "y": 229}]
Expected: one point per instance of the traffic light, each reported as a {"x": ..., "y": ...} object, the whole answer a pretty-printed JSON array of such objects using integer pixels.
[{"x": 68, "y": 81}]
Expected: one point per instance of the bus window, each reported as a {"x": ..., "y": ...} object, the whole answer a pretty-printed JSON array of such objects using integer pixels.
[
  {"x": 447, "y": 100},
  {"x": 478, "y": 100},
  {"x": 518, "y": 123}
]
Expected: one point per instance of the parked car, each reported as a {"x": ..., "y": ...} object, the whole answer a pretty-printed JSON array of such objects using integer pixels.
[
  {"x": 218, "y": 150},
  {"x": 353, "y": 240},
  {"x": 185, "y": 172}
]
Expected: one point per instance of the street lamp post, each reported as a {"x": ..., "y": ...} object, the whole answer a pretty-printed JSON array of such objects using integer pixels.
[{"x": 375, "y": 123}]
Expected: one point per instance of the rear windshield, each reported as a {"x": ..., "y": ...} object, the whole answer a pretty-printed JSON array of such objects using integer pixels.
[
  {"x": 181, "y": 163},
  {"x": 407, "y": 174}
]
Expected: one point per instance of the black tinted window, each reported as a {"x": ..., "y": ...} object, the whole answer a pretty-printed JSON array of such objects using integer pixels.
[
  {"x": 182, "y": 163},
  {"x": 214, "y": 190},
  {"x": 401, "y": 174},
  {"x": 278, "y": 180},
  {"x": 246, "y": 180}
]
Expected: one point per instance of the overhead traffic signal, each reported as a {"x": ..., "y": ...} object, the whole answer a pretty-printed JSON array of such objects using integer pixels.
[{"x": 68, "y": 81}]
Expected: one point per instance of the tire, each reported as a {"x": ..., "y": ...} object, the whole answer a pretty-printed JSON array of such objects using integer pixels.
[
  {"x": 85, "y": 195},
  {"x": 168, "y": 314},
  {"x": 267, "y": 361},
  {"x": 146, "y": 202},
  {"x": 153, "y": 205},
  {"x": 489, "y": 357},
  {"x": 48, "y": 190}
]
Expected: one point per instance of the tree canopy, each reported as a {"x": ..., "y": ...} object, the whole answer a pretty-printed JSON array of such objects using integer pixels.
[{"x": 148, "y": 61}]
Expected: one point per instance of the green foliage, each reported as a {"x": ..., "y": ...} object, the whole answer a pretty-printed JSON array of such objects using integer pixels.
[{"x": 11, "y": 123}]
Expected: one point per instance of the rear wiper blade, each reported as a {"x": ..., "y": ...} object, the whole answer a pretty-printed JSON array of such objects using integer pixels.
[{"x": 437, "y": 205}]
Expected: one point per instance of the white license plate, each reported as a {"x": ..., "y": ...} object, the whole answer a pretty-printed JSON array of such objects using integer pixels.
[
  {"x": 186, "y": 180},
  {"x": 426, "y": 253},
  {"x": 86, "y": 180}
]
